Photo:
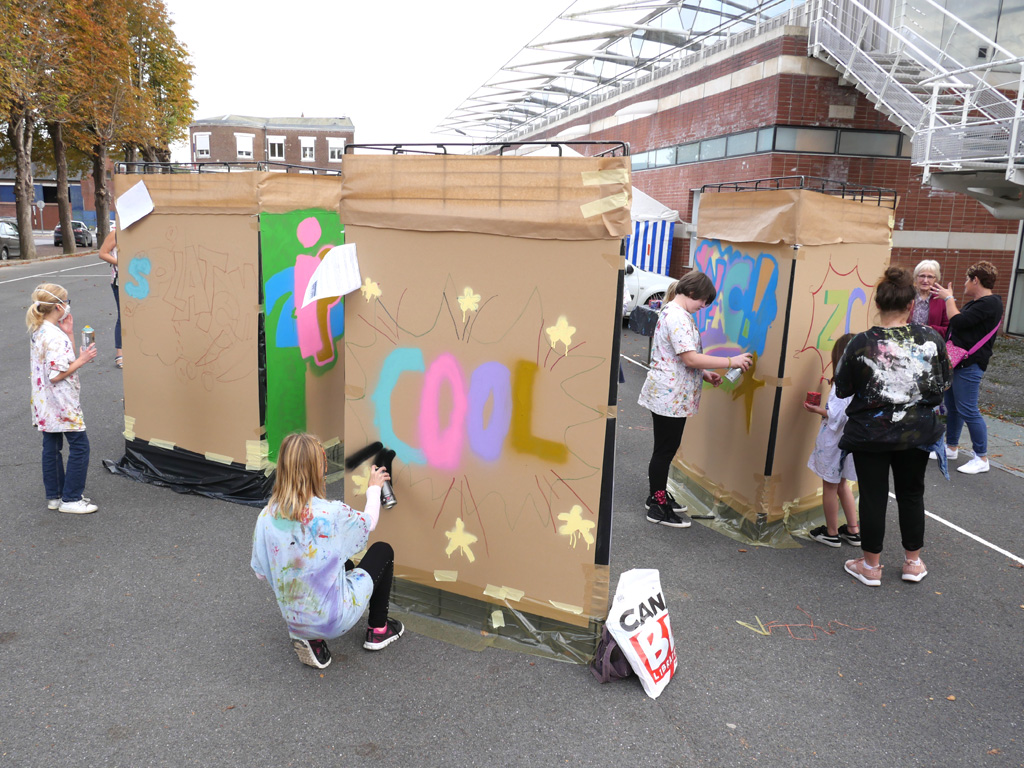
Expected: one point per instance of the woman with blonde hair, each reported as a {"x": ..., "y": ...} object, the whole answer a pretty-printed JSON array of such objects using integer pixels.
[
  {"x": 302, "y": 545},
  {"x": 56, "y": 398},
  {"x": 929, "y": 309}
]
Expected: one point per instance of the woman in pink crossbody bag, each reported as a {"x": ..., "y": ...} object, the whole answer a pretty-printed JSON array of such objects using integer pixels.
[{"x": 973, "y": 329}]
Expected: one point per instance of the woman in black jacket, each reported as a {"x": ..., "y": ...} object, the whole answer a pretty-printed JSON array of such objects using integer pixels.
[
  {"x": 982, "y": 314},
  {"x": 896, "y": 373}
]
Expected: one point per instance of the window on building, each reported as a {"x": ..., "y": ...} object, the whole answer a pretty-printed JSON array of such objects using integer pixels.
[
  {"x": 275, "y": 147},
  {"x": 805, "y": 140},
  {"x": 639, "y": 162},
  {"x": 664, "y": 157},
  {"x": 712, "y": 149},
  {"x": 335, "y": 149},
  {"x": 869, "y": 143},
  {"x": 765, "y": 139},
  {"x": 688, "y": 153},
  {"x": 308, "y": 144},
  {"x": 741, "y": 144},
  {"x": 202, "y": 141},
  {"x": 243, "y": 145}
]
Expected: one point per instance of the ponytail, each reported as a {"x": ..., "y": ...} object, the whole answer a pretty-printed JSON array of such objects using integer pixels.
[{"x": 45, "y": 298}]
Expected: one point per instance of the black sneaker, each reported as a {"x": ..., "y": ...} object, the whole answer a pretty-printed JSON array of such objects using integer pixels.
[
  {"x": 313, "y": 653},
  {"x": 821, "y": 534},
  {"x": 673, "y": 504},
  {"x": 849, "y": 538},
  {"x": 375, "y": 641},
  {"x": 665, "y": 516}
]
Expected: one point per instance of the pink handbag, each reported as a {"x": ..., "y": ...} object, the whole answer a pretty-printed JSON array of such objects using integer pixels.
[{"x": 957, "y": 354}]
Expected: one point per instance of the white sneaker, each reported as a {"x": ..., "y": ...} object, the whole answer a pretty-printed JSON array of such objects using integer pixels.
[
  {"x": 933, "y": 455},
  {"x": 80, "y": 507},
  {"x": 55, "y": 503},
  {"x": 974, "y": 466},
  {"x": 952, "y": 453}
]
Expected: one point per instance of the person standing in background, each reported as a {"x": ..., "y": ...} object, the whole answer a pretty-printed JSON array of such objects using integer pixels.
[
  {"x": 108, "y": 253},
  {"x": 928, "y": 308}
]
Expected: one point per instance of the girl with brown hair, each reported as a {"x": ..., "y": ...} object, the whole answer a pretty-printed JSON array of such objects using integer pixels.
[{"x": 302, "y": 545}]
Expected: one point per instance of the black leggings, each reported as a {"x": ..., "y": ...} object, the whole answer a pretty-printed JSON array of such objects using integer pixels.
[
  {"x": 668, "y": 434},
  {"x": 908, "y": 468},
  {"x": 379, "y": 562}
]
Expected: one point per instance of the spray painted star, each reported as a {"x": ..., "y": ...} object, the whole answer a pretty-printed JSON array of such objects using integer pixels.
[
  {"x": 361, "y": 481},
  {"x": 468, "y": 302},
  {"x": 576, "y": 527},
  {"x": 370, "y": 290},
  {"x": 561, "y": 331},
  {"x": 459, "y": 538}
]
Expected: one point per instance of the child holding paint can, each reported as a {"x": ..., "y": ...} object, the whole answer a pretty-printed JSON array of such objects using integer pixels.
[
  {"x": 825, "y": 463},
  {"x": 302, "y": 545},
  {"x": 56, "y": 403}
]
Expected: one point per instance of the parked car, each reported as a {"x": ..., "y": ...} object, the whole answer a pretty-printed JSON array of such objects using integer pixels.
[
  {"x": 10, "y": 243},
  {"x": 644, "y": 287},
  {"x": 83, "y": 235}
]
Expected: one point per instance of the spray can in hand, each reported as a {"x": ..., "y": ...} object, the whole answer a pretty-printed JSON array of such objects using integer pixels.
[
  {"x": 387, "y": 493},
  {"x": 88, "y": 336},
  {"x": 733, "y": 375}
]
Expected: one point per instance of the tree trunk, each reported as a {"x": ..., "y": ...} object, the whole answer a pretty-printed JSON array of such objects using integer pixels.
[
  {"x": 99, "y": 178},
  {"x": 60, "y": 159},
  {"x": 19, "y": 132}
]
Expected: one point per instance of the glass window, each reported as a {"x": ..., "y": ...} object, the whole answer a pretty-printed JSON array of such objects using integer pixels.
[
  {"x": 765, "y": 139},
  {"x": 805, "y": 140},
  {"x": 712, "y": 149},
  {"x": 663, "y": 157},
  {"x": 243, "y": 145},
  {"x": 275, "y": 147},
  {"x": 868, "y": 143},
  {"x": 742, "y": 144},
  {"x": 907, "y": 147},
  {"x": 202, "y": 145},
  {"x": 307, "y": 144},
  {"x": 639, "y": 162},
  {"x": 335, "y": 149},
  {"x": 688, "y": 153}
]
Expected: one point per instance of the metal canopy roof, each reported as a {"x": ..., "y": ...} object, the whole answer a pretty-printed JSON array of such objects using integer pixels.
[{"x": 595, "y": 46}]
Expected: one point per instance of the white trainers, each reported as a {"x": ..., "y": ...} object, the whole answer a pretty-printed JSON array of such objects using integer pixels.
[
  {"x": 52, "y": 503},
  {"x": 952, "y": 453},
  {"x": 974, "y": 466},
  {"x": 81, "y": 507}
]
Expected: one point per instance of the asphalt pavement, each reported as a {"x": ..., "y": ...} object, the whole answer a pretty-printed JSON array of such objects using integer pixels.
[{"x": 138, "y": 636}]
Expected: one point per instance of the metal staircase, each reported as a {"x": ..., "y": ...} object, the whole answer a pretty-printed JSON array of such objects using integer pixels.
[{"x": 965, "y": 119}]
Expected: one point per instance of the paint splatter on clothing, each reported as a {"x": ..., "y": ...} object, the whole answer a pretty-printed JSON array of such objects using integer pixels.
[
  {"x": 304, "y": 562},
  {"x": 56, "y": 406},
  {"x": 896, "y": 377},
  {"x": 673, "y": 389}
]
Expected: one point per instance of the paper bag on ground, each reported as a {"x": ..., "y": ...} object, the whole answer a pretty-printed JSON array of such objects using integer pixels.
[{"x": 639, "y": 622}]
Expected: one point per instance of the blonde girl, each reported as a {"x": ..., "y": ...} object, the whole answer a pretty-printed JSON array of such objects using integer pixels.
[
  {"x": 302, "y": 545},
  {"x": 826, "y": 462},
  {"x": 56, "y": 401}
]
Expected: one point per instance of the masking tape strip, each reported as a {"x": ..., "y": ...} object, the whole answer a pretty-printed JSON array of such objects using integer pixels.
[
  {"x": 157, "y": 443},
  {"x": 605, "y": 204},
  {"x": 351, "y": 390},
  {"x": 446, "y": 575},
  {"x": 259, "y": 309},
  {"x": 497, "y": 619},
  {"x": 611, "y": 411},
  {"x": 607, "y": 176},
  {"x": 256, "y": 454},
  {"x": 504, "y": 593},
  {"x": 578, "y": 610},
  {"x": 332, "y": 442},
  {"x": 219, "y": 458},
  {"x": 129, "y": 427}
]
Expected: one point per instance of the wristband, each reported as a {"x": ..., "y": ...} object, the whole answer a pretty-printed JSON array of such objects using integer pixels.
[
  {"x": 730, "y": 363},
  {"x": 948, "y": 298}
]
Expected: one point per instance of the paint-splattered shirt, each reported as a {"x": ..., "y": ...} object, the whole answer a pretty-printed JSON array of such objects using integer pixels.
[
  {"x": 304, "y": 561},
  {"x": 896, "y": 377},
  {"x": 56, "y": 406},
  {"x": 673, "y": 389}
]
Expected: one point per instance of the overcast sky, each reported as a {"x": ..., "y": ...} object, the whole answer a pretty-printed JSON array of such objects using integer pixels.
[{"x": 396, "y": 68}]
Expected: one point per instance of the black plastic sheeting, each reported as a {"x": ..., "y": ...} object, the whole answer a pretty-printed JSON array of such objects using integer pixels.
[{"x": 187, "y": 472}]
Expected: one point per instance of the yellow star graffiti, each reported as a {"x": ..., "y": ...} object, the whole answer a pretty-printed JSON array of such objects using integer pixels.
[
  {"x": 459, "y": 538},
  {"x": 576, "y": 527},
  {"x": 561, "y": 331},
  {"x": 746, "y": 390},
  {"x": 361, "y": 481},
  {"x": 370, "y": 290},
  {"x": 469, "y": 302}
]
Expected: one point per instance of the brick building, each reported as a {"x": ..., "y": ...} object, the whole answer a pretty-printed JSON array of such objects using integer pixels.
[
  {"x": 316, "y": 142},
  {"x": 756, "y": 105}
]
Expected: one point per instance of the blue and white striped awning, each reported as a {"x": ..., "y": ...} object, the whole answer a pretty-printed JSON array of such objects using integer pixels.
[{"x": 650, "y": 245}]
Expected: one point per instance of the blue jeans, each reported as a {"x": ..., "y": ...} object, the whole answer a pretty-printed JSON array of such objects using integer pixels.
[
  {"x": 69, "y": 484},
  {"x": 962, "y": 408},
  {"x": 117, "y": 325}
]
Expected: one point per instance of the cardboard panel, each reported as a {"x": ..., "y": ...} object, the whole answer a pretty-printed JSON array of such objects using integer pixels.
[
  {"x": 189, "y": 310},
  {"x": 305, "y": 361},
  {"x": 479, "y": 360}
]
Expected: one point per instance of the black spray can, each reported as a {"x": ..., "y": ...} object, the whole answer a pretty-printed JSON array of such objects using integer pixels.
[{"x": 387, "y": 495}]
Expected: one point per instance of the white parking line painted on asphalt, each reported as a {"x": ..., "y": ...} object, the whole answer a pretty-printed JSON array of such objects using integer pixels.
[
  {"x": 968, "y": 534},
  {"x": 935, "y": 517},
  {"x": 56, "y": 272}
]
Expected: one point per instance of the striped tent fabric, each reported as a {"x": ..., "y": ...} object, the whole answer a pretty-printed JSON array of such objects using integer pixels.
[{"x": 650, "y": 245}]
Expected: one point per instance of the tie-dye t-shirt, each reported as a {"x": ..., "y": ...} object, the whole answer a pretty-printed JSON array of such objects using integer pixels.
[
  {"x": 304, "y": 562},
  {"x": 56, "y": 406},
  {"x": 671, "y": 388},
  {"x": 896, "y": 377}
]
